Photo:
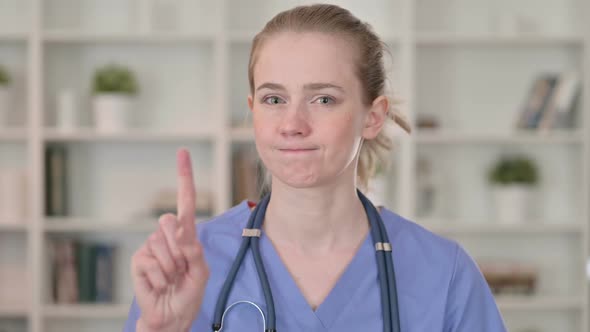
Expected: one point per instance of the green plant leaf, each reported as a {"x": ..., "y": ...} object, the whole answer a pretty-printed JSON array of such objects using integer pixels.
[
  {"x": 115, "y": 78},
  {"x": 514, "y": 170},
  {"x": 5, "y": 78}
]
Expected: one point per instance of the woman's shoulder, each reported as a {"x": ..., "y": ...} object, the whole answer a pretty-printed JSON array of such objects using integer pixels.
[
  {"x": 409, "y": 235},
  {"x": 228, "y": 223}
]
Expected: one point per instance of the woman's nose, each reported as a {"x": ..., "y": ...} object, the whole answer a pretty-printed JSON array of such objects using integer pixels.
[{"x": 295, "y": 121}]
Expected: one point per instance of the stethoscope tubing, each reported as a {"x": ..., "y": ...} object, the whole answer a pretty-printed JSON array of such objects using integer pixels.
[
  {"x": 386, "y": 272},
  {"x": 387, "y": 255}
]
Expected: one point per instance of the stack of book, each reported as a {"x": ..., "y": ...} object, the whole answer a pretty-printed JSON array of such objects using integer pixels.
[
  {"x": 551, "y": 102},
  {"x": 82, "y": 272}
]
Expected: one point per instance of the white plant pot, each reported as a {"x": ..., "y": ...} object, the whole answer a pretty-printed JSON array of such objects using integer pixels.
[
  {"x": 111, "y": 112},
  {"x": 512, "y": 203},
  {"x": 4, "y": 105},
  {"x": 377, "y": 191}
]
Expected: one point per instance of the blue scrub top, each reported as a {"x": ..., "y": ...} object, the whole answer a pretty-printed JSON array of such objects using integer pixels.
[{"x": 440, "y": 288}]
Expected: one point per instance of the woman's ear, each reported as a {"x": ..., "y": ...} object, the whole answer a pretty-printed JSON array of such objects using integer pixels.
[
  {"x": 375, "y": 118},
  {"x": 250, "y": 102}
]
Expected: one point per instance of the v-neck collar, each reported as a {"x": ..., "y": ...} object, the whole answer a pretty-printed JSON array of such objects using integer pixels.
[{"x": 335, "y": 302}]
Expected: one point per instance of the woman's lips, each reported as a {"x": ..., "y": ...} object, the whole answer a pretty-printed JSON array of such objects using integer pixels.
[{"x": 297, "y": 150}]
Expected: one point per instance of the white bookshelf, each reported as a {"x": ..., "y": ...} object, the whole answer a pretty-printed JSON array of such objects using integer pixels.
[
  {"x": 130, "y": 136},
  {"x": 91, "y": 311},
  {"x": 450, "y": 60}
]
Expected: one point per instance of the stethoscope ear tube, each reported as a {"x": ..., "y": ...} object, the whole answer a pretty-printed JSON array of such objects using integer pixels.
[
  {"x": 381, "y": 267},
  {"x": 391, "y": 319},
  {"x": 270, "y": 305}
]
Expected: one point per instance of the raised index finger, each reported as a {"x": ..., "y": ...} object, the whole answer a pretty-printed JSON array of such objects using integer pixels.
[{"x": 186, "y": 192}]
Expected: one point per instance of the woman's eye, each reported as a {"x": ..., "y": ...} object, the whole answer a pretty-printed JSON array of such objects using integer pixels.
[
  {"x": 325, "y": 100},
  {"x": 273, "y": 100}
]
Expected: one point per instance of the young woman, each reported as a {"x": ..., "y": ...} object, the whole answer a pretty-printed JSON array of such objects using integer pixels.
[{"x": 314, "y": 255}]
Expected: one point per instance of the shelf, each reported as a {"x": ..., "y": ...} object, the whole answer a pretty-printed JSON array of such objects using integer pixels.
[
  {"x": 78, "y": 311},
  {"x": 246, "y": 134},
  {"x": 426, "y": 136},
  {"x": 96, "y": 225},
  {"x": 246, "y": 37},
  {"x": 512, "y": 303},
  {"x": 482, "y": 228},
  {"x": 132, "y": 135},
  {"x": 12, "y": 227},
  {"x": 64, "y": 36},
  {"x": 449, "y": 39},
  {"x": 13, "y": 37},
  {"x": 12, "y": 134},
  {"x": 10, "y": 311}
]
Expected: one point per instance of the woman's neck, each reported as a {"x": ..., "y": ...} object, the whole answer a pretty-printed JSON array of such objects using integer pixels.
[{"x": 316, "y": 220}]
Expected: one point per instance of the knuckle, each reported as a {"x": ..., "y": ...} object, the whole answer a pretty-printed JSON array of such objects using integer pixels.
[
  {"x": 155, "y": 320},
  {"x": 167, "y": 217},
  {"x": 155, "y": 237},
  {"x": 151, "y": 266}
]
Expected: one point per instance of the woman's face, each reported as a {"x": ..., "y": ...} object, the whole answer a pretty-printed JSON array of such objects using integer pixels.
[{"x": 307, "y": 108}]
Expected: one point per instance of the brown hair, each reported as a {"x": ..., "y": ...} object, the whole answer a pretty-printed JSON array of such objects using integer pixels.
[{"x": 331, "y": 19}]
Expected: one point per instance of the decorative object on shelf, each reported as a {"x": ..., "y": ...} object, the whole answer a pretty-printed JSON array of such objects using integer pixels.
[
  {"x": 164, "y": 201},
  {"x": 377, "y": 186},
  {"x": 427, "y": 121},
  {"x": 56, "y": 180},
  {"x": 114, "y": 89},
  {"x": 66, "y": 119},
  {"x": 513, "y": 179},
  {"x": 551, "y": 102},
  {"x": 13, "y": 195},
  {"x": 507, "y": 277},
  {"x": 5, "y": 95}
]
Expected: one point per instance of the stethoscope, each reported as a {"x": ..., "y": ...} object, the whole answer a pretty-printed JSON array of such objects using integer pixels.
[{"x": 251, "y": 235}]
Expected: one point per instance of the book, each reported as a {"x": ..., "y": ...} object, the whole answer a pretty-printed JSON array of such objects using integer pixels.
[
  {"x": 64, "y": 274},
  {"x": 560, "y": 112},
  {"x": 86, "y": 267},
  {"x": 537, "y": 101},
  {"x": 56, "y": 196},
  {"x": 104, "y": 261}
]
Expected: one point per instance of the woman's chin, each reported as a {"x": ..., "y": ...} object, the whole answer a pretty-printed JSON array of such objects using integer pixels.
[{"x": 300, "y": 182}]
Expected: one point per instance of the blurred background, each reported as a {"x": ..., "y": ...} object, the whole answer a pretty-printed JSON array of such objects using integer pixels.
[{"x": 96, "y": 96}]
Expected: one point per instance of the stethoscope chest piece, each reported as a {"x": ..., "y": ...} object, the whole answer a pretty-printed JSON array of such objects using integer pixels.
[{"x": 242, "y": 302}]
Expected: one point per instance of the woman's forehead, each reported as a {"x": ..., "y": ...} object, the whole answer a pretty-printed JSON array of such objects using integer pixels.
[{"x": 296, "y": 59}]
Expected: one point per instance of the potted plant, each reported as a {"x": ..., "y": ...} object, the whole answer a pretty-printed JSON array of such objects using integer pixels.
[
  {"x": 5, "y": 82},
  {"x": 513, "y": 179},
  {"x": 114, "y": 90}
]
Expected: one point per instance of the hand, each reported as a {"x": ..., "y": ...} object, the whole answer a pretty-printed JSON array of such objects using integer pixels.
[{"x": 169, "y": 271}]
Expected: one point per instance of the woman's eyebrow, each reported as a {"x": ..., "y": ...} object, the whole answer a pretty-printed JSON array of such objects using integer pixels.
[
  {"x": 319, "y": 86},
  {"x": 271, "y": 86},
  {"x": 309, "y": 86}
]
